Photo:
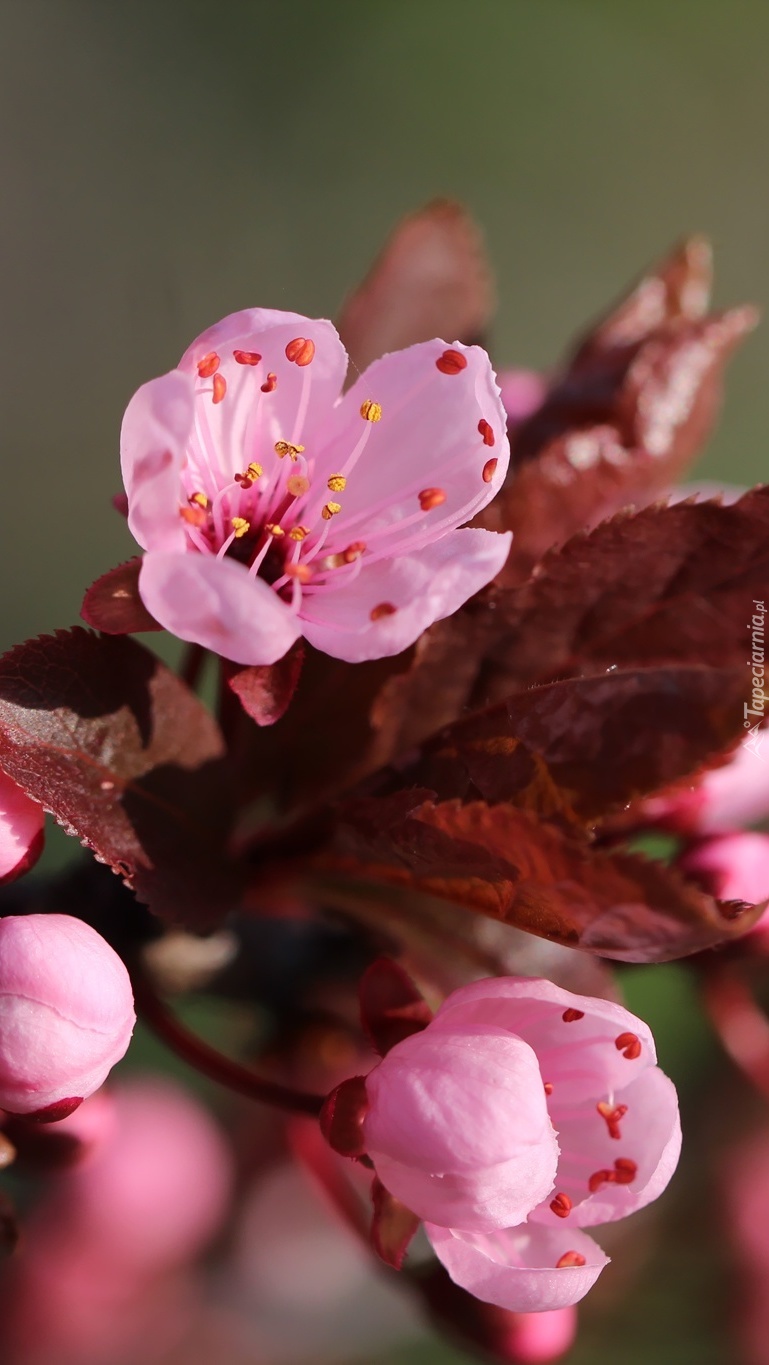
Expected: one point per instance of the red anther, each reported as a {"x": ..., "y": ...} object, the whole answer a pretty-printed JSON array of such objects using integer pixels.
[
  {"x": 599, "y": 1178},
  {"x": 302, "y": 572},
  {"x": 489, "y": 470},
  {"x": 208, "y": 365},
  {"x": 270, "y": 383},
  {"x": 612, "y": 1116},
  {"x": 625, "y": 1170},
  {"x": 629, "y": 1045},
  {"x": 431, "y": 497},
  {"x": 451, "y": 362},
  {"x": 246, "y": 357},
  {"x": 194, "y": 516},
  {"x": 561, "y": 1205},
  {"x": 384, "y": 609},
  {"x": 570, "y": 1258},
  {"x": 487, "y": 432},
  {"x": 548, "y": 1087},
  {"x": 353, "y": 551},
  {"x": 300, "y": 351},
  {"x": 220, "y": 387},
  {"x": 570, "y": 1016}
]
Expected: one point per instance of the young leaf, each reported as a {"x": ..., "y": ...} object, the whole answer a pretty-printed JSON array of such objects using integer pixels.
[
  {"x": 265, "y": 691},
  {"x": 126, "y": 758},
  {"x": 112, "y": 604},
  {"x": 392, "y": 1226},
  {"x": 391, "y": 1006}
]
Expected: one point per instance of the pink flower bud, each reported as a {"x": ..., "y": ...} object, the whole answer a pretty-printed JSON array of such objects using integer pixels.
[
  {"x": 521, "y": 1114},
  {"x": 724, "y": 798},
  {"x": 21, "y": 830},
  {"x": 66, "y": 1013},
  {"x": 733, "y": 867}
]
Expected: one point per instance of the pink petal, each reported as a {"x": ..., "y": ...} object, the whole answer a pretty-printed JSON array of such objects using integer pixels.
[
  {"x": 21, "y": 829},
  {"x": 458, "y": 1128},
  {"x": 153, "y": 439},
  {"x": 217, "y": 604},
  {"x": 650, "y": 1136},
  {"x": 423, "y": 587},
  {"x": 725, "y": 798},
  {"x": 516, "y": 1268},
  {"x": 735, "y": 867},
  {"x": 534, "y": 1338},
  {"x": 428, "y": 438},
  {"x": 246, "y": 423},
  {"x": 577, "y": 1056}
]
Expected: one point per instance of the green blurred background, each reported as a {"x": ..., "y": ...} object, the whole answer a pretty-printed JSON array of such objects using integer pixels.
[{"x": 164, "y": 162}]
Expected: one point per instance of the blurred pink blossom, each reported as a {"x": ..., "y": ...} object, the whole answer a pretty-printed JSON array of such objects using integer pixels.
[
  {"x": 520, "y": 1115},
  {"x": 522, "y": 393},
  {"x": 66, "y": 1013},
  {"x": 272, "y": 508},
  {"x": 723, "y": 799},
  {"x": 21, "y": 830}
]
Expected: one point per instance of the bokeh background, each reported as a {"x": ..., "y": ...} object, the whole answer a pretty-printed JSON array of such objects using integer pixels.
[{"x": 164, "y": 162}]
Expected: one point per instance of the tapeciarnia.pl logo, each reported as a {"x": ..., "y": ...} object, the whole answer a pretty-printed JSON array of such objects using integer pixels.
[{"x": 753, "y": 710}]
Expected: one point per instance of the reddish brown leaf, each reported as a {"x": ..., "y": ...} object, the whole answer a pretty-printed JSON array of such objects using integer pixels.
[
  {"x": 504, "y": 863},
  {"x": 582, "y": 746},
  {"x": 431, "y": 279},
  {"x": 391, "y": 1006},
  {"x": 126, "y": 758},
  {"x": 265, "y": 692},
  {"x": 392, "y": 1226},
  {"x": 342, "y": 1115},
  {"x": 112, "y": 604},
  {"x": 666, "y": 585},
  {"x": 9, "y": 1227}
]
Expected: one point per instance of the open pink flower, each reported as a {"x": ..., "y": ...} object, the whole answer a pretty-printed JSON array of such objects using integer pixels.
[
  {"x": 733, "y": 867},
  {"x": 270, "y": 508},
  {"x": 520, "y": 1115},
  {"x": 21, "y": 830}
]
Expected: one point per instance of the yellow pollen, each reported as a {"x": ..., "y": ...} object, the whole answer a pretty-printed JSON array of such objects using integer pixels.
[
  {"x": 240, "y": 526},
  {"x": 337, "y": 483},
  {"x": 194, "y": 516},
  {"x": 286, "y": 448},
  {"x": 199, "y": 499},
  {"x": 297, "y": 485},
  {"x": 302, "y": 572},
  {"x": 298, "y": 533},
  {"x": 254, "y": 470},
  {"x": 330, "y": 510},
  {"x": 274, "y": 530},
  {"x": 371, "y": 411}
]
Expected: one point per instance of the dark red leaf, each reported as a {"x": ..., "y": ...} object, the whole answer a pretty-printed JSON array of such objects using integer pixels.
[
  {"x": 342, "y": 1115},
  {"x": 391, "y": 1006},
  {"x": 431, "y": 279},
  {"x": 112, "y": 604},
  {"x": 580, "y": 747},
  {"x": 9, "y": 1227},
  {"x": 265, "y": 692},
  {"x": 392, "y": 1226},
  {"x": 126, "y": 758},
  {"x": 506, "y": 864}
]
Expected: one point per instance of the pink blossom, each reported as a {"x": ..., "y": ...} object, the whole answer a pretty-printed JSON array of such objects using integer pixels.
[
  {"x": 270, "y": 508},
  {"x": 724, "y": 798},
  {"x": 732, "y": 867},
  {"x": 520, "y": 1115},
  {"x": 66, "y": 1013},
  {"x": 522, "y": 391},
  {"x": 21, "y": 830}
]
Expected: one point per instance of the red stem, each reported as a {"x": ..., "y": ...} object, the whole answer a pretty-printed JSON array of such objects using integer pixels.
[{"x": 215, "y": 1065}]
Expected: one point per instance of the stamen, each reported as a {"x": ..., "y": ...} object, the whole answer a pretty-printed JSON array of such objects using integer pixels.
[
  {"x": 548, "y": 1087},
  {"x": 337, "y": 483},
  {"x": 625, "y": 1170},
  {"x": 283, "y": 448},
  {"x": 570, "y": 1016},
  {"x": 246, "y": 357},
  {"x": 570, "y": 1258},
  {"x": 612, "y": 1115},
  {"x": 371, "y": 411},
  {"x": 275, "y": 530},
  {"x": 599, "y": 1178},
  {"x": 330, "y": 510},
  {"x": 299, "y": 533},
  {"x": 240, "y": 526},
  {"x": 194, "y": 516},
  {"x": 487, "y": 432},
  {"x": 297, "y": 485},
  {"x": 220, "y": 387},
  {"x": 302, "y": 572},
  {"x": 254, "y": 470},
  {"x": 629, "y": 1044},
  {"x": 353, "y": 551},
  {"x": 431, "y": 497},
  {"x": 300, "y": 351},
  {"x": 208, "y": 365},
  {"x": 451, "y": 362},
  {"x": 561, "y": 1205},
  {"x": 489, "y": 470},
  {"x": 270, "y": 383},
  {"x": 384, "y": 609},
  {"x": 199, "y": 499}
]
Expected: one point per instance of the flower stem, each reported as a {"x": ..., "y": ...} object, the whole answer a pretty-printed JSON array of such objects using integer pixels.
[
  {"x": 740, "y": 1023},
  {"x": 213, "y": 1064}
]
